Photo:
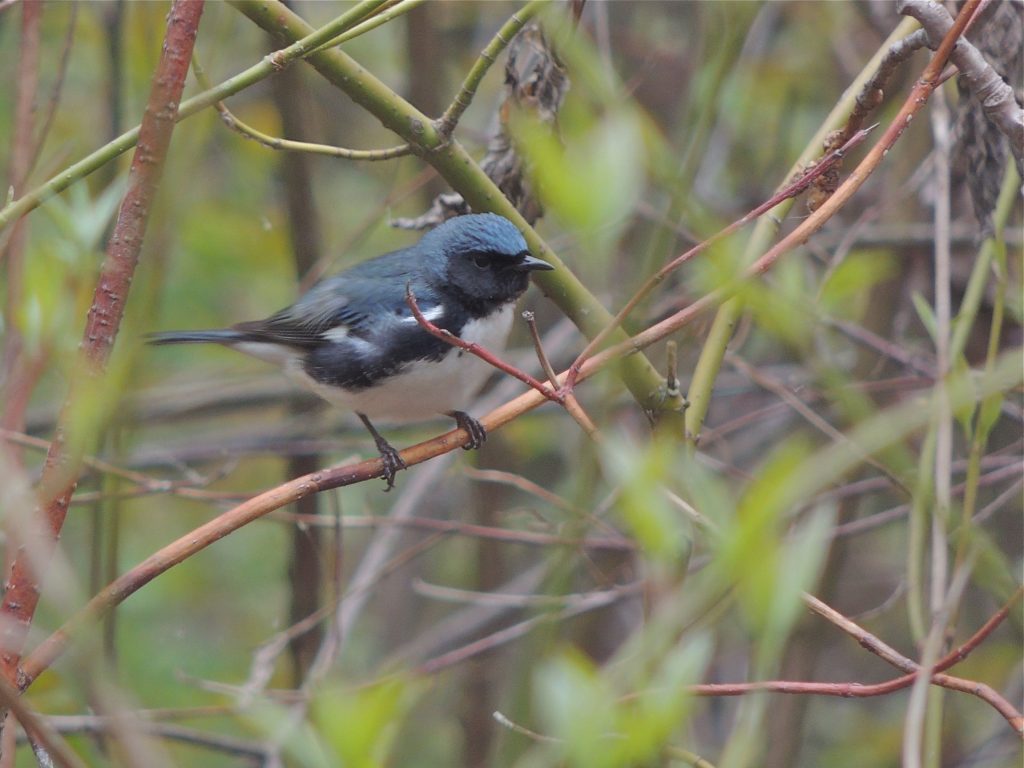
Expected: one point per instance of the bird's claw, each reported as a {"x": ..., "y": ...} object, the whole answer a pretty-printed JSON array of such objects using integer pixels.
[
  {"x": 392, "y": 461},
  {"x": 389, "y": 457},
  {"x": 476, "y": 431}
]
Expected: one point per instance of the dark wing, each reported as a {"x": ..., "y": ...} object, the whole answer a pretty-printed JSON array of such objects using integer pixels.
[{"x": 359, "y": 302}]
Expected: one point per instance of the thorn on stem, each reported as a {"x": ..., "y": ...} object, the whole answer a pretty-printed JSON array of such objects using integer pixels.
[{"x": 671, "y": 363}]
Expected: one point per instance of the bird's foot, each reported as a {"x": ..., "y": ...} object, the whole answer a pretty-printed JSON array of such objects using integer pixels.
[
  {"x": 477, "y": 433},
  {"x": 392, "y": 462},
  {"x": 389, "y": 457}
]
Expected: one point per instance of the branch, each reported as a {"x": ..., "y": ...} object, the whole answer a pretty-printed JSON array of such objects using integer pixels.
[
  {"x": 992, "y": 92},
  {"x": 886, "y": 428},
  {"x": 898, "y": 660},
  {"x": 288, "y": 145},
  {"x": 60, "y": 471},
  {"x": 446, "y": 124},
  {"x": 475, "y": 349},
  {"x": 791, "y": 190},
  {"x": 266, "y": 67}
]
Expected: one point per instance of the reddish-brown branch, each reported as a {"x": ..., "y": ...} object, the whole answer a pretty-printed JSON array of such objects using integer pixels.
[
  {"x": 60, "y": 470},
  {"x": 253, "y": 509},
  {"x": 913, "y": 104},
  {"x": 570, "y": 402},
  {"x": 898, "y": 660},
  {"x": 858, "y": 690},
  {"x": 873, "y": 644},
  {"x": 475, "y": 349},
  {"x": 796, "y": 187},
  {"x": 23, "y": 374}
]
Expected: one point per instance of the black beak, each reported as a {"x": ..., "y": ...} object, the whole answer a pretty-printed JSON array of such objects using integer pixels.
[{"x": 531, "y": 263}]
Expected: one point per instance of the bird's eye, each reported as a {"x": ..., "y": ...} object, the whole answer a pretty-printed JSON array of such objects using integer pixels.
[{"x": 481, "y": 262}]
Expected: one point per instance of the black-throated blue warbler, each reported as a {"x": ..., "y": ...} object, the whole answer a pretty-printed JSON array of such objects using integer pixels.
[{"x": 352, "y": 338}]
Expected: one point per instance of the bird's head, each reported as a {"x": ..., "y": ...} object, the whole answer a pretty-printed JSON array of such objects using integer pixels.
[{"x": 486, "y": 258}]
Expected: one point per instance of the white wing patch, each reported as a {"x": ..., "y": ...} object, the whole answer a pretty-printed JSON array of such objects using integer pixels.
[
  {"x": 433, "y": 315},
  {"x": 337, "y": 333},
  {"x": 423, "y": 389}
]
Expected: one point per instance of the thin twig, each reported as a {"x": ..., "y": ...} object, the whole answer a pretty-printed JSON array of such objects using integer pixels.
[
  {"x": 288, "y": 145},
  {"x": 475, "y": 349},
  {"x": 58, "y": 87},
  {"x": 571, "y": 404},
  {"x": 101, "y": 724},
  {"x": 793, "y": 189},
  {"x": 471, "y": 530},
  {"x": 446, "y": 124},
  {"x": 522, "y": 730},
  {"x": 39, "y": 730},
  {"x": 545, "y": 364}
]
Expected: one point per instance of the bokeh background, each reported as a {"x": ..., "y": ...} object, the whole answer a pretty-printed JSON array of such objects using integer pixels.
[{"x": 680, "y": 117}]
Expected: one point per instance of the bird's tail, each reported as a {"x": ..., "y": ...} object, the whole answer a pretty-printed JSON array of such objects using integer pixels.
[{"x": 224, "y": 336}]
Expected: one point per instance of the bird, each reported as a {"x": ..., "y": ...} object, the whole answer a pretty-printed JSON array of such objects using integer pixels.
[{"x": 354, "y": 340}]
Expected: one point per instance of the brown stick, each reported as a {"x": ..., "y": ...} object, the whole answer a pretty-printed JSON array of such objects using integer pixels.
[{"x": 60, "y": 472}]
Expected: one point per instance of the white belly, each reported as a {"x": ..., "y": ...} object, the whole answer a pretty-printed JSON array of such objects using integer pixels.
[{"x": 423, "y": 389}]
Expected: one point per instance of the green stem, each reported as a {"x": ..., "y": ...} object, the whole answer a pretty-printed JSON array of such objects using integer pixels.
[
  {"x": 987, "y": 412},
  {"x": 396, "y": 10},
  {"x": 483, "y": 63},
  {"x": 458, "y": 168},
  {"x": 917, "y": 536},
  {"x": 710, "y": 362},
  {"x": 270, "y": 64},
  {"x": 975, "y": 290}
]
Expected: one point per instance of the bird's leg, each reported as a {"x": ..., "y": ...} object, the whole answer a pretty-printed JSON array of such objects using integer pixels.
[
  {"x": 388, "y": 455},
  {"x": 477, "y": 433}
]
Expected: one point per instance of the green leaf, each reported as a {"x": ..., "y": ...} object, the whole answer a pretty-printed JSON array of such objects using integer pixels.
[
  {"x": 360, "y": 725},
  {"x": 653, "y": 714},
  {"x": 662, "y": 531},
  {"x": 965, "y": 413},
  {"x": 799, "y": 566},
  {"x": 578, "y": 707},
  {"x": 750, "y": 550},
  {"x": 991, "y": 408},
  {"x": 593, "y": 181},
  {"x": 778, "y": 305},
  {"x": 847, "y": 290}
]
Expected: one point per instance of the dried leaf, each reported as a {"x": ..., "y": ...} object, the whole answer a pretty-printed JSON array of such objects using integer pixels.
[{"x": 536, "y": 82}]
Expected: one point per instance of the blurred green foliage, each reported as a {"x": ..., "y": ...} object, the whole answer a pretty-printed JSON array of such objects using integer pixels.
[{"x": 680, "y": 118}]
